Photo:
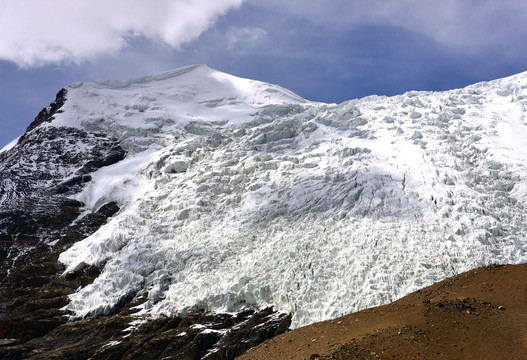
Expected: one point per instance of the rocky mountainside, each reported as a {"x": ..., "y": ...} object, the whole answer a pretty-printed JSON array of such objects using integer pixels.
[{"x": 194, "y": 214}]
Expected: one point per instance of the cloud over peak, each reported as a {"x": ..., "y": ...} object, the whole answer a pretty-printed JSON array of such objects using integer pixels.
[
  {"x": 244, "y": 37},
  {"x": 35, "y": 33},
  {"x": 465, "y": 25}
]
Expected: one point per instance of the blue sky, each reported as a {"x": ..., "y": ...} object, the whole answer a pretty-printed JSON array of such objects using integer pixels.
[{"x": 324, "y": 50}]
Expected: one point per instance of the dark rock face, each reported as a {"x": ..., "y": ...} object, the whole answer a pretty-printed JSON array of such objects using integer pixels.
[
  {"x": 36, "y": 220},
  {"x": 36, "y": 176},
  {"x": 39, "y": 220},
  {"x": 198, "y": 336},
  {"x": 46, "y": 114}
]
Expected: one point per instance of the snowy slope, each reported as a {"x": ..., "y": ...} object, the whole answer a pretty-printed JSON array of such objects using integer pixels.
[{"x": 239, "y": 193}]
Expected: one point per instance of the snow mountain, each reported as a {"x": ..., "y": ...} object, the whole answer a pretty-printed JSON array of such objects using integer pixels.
[{"x": 235, "y": 194}]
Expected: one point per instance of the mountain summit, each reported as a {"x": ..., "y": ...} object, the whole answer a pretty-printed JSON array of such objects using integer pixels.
[{"x": 201, "y": 191}]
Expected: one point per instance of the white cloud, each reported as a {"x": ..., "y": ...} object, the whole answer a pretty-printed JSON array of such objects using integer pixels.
[
  {"x": 463, "y": 24},
  {"x": 35, "y": 32},
  {"x": 244, "y": 38}
]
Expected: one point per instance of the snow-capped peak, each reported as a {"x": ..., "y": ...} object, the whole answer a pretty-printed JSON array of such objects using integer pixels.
[
  {"x": 200, "y": 83},
  {"x": 153, "y": 109}
]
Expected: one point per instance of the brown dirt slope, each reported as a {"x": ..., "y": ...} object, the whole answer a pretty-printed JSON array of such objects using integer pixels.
[{"x": 481, "y": 314}]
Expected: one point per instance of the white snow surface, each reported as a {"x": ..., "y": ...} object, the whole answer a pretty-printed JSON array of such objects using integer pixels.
[{"x": 239, "y": 193}]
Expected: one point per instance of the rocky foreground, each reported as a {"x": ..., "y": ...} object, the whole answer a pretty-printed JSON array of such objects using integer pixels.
[{"x": 480, "y": 314}]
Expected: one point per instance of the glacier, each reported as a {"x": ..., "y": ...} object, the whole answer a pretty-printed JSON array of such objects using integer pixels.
[{"x": 237, "y": 193}]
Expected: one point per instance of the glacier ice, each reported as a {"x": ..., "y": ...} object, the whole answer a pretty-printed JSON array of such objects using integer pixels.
[{"x": 239, "y": 193}]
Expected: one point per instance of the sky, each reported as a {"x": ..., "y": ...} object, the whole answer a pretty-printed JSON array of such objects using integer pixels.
[{"x": 323, "y": 50}]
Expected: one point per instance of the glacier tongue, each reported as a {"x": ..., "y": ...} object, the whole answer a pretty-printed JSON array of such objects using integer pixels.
[{"x": 238, "y": 193}]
